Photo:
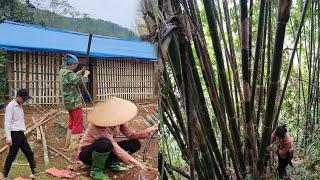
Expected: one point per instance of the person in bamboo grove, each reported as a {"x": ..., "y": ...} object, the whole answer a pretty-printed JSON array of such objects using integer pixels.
[
  {"x": 72, "y": 98},
  {"x": 283, "y": 147},
  {"x": 98, "y": 146}
]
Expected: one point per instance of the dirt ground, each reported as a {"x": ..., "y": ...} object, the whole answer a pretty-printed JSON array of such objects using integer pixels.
[{"x": 55, "y": 133}]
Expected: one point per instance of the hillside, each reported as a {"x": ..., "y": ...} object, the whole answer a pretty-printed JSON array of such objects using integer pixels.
[
  {"x": 14, "y": 10},
  {"x": 85, "y": 24}
]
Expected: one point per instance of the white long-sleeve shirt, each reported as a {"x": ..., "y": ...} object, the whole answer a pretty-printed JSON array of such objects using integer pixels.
[{"x": 13, "y": 118}]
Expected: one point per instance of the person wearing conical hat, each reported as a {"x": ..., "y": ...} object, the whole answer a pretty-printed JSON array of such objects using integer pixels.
[
  {"x": 72, "y": 99},
  {"x": 98, "y": 147}
]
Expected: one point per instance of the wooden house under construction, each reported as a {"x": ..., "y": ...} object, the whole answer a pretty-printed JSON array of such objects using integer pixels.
[{"x": 119, "y": 67}]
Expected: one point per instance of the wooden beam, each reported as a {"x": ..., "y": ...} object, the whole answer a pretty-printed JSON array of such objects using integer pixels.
[
  {"x": 44, "y": 120},
  {"x": 37, "y": 130},
  {"x": 45, "y": 147},
  {"x": 61, "y": 154}
]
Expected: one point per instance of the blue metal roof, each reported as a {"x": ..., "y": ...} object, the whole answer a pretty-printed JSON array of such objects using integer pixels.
[{"x": 25, "y": 37}]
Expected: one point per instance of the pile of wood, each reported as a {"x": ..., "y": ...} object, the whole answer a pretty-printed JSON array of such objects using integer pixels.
[{"x": 37, "y": 126}]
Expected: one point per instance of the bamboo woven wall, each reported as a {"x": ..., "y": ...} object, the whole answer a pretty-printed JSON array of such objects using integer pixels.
[
  {"x": 125, "y": 78},
  {"x": 38, "y": 72}
]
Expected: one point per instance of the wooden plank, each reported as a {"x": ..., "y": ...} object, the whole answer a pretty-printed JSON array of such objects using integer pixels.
[
  {"x": 46, "y": 90},
  {"x": 24, "y": 67},
  {"x": 45, "y": 148},
  {"x": 40, "y": 122},
  {"x": 143, "y": 81},
  {"x": 130, "y": 80},
  {"x": 28, "y": 85},
  {"x": 10, "y": 74},
  {"x": 108, "y": 77},
  {"x": 49, "y": 74},
  {"x": 19, "y": 70},
  {"x": 32, "y": 59},
  {"x": 36, "y": 99},
  {"x": 94, "y": 80},
  {"x": 109, "y": 70},
  {"x": 14, "y": 74},
  {"x": 37, "y": 130},
  {"x": 133, "y": 81},
  {"x": 40, "y": 77},
  {"x": 55, "y": 72},
  {"x": 61, "y": 154},
  {"x": 138, "y": 81},
  {"x": 98, "y": 79},
  {"x": 104, "y": 91},
  {"x": 125, "y": 78},
  {"x": 52, "y": 90},
  {"x": 58, "y": 88},
  {"x": 121, "y": 76},
  {"x": 117, "y": 79},
  {"x": 112, "y": 76}
]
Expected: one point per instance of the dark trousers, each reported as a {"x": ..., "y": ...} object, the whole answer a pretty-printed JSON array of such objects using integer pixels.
[
  {"x": 103, "y": 145},
  {"x": 283, "y": 163},
  {"x": 19, "y": 141}
]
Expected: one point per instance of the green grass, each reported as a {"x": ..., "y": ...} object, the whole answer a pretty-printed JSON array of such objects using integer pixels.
[{"x": 24, "y": 171}]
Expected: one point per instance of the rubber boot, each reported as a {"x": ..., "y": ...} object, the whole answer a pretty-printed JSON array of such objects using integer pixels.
[
  {"x": 74, "y": 142},
  {"x": 98, "y": 161}
]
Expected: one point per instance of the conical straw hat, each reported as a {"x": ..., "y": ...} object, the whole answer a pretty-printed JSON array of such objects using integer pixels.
[{"x": 113, "y": 112}]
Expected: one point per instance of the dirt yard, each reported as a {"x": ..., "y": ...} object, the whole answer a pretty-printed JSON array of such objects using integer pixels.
[{"x": 55, "y": 133}]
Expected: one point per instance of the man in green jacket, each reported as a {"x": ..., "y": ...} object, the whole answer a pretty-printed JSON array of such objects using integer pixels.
[{"x": 72, "y": 98}]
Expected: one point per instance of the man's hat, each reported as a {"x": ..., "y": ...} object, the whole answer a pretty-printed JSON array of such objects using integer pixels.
[
  {"x": 113, "y": 112},
  {"x": 24, "y": 93},
  {"x": 70, "y": 59}
]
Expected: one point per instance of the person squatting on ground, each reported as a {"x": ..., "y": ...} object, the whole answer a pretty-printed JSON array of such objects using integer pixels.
[
  {"x": 14, "y": 126},
  {"x": 72, "y": 98},
  {"x": 98, "y": 147},
  {"x": 283, "y": 149}
]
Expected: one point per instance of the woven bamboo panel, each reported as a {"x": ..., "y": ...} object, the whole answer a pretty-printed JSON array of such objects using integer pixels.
[
  {"x": 38, "y": 72},
  {"x": 125, "y": 78}
]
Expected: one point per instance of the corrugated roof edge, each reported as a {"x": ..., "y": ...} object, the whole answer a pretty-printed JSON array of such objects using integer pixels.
[
  {"x": 71, "y": 32},
  {"x": 78, "y": 53}
]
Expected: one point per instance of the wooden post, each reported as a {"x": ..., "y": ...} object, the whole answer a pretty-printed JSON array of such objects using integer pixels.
[
  {"x": 94, "y": 80},
  {"x": 45, "y": 148},
  {"x": 10, "y": 74},
  {"x": 61, "y": 154},
  {"x": 37, "y": 130}
]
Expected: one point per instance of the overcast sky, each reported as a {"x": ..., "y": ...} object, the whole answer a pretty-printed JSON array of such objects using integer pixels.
[{"x": 122, "y": 12}]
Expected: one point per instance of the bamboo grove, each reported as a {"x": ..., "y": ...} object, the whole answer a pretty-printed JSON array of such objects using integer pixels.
[{"x": 229, "y": 73}]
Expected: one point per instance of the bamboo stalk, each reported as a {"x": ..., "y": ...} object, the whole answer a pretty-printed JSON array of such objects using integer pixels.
[
  {"x": 61, "y": 154},
  {"x": 37, "y": 130},
  {"x": 44, "y": 120},
  {"x": 45, "y": 148},
  {"x": 283, "y": 17},
  {"x": 226, "y": 92},
  {"x": 291, "y": 61}
]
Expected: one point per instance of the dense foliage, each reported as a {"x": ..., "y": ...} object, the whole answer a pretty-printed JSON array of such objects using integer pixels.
[{"x": 230, "y": 73}]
